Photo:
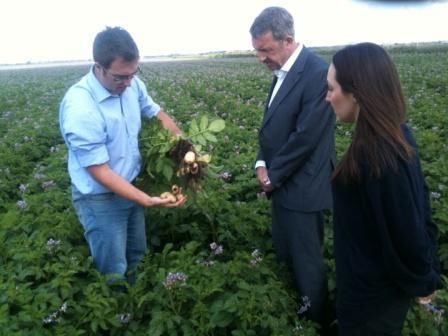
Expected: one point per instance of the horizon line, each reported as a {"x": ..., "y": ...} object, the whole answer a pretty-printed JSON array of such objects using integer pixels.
[{"x": 181, "y": 56}]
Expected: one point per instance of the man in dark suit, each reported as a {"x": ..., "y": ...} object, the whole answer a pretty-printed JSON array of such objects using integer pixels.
[{"x": 296, "y": 153}]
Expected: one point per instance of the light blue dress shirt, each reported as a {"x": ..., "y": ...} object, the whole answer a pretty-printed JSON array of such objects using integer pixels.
[{"x": 99, "y": 127}]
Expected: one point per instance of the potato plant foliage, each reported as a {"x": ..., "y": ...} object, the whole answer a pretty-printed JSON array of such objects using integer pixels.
[
  {"x": 165, "y": 156},
  {"x": 210, "y": 269}
]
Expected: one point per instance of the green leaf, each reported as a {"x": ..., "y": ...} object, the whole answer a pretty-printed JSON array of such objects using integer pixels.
[
  {"x": 94, "y": 326},
  {"x": 243, "y": 285},
  {"x": 193, "y": 127},
  {"x": 164, "y": 148},
  {"x": 221, "y": 319},
  {"x": 159, "y": 166},
  {"x": 201, "y": 140},
  {"x": 102, "y": 324},
  {"x": 9, "y": 220},
  {"x": 217, "y": 125},
  {"x": 204, "y": 123},
  {"x": 65, "y": 292},
  {"x": 148, "y": 171},
  {"x": 167, "y": 172},
  {"x": 210, "y": 137}
]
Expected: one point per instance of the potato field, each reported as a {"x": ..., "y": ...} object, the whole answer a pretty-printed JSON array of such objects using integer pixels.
[{"x": 211, "y": 269}]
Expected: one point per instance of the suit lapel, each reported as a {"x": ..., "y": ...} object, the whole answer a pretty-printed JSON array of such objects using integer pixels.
[
  {"x": 274, "y": 81},
  {"x": 289, "y": 82}
]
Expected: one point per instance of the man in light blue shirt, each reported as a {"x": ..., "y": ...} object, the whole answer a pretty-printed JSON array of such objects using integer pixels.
[{"x": 100, "y": 119}]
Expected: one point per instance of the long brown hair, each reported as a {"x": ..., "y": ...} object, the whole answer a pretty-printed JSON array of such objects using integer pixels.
[{"x": 366, "y": 71}]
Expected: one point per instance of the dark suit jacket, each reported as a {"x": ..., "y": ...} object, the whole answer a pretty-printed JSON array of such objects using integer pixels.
[{"x": 296, "y": 138}]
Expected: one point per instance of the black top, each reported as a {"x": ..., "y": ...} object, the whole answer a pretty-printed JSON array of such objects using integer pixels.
[{"x": 385, "y": 240}]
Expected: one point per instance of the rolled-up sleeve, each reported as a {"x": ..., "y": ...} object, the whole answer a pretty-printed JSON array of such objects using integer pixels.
[{"x": 86, "y": 153}]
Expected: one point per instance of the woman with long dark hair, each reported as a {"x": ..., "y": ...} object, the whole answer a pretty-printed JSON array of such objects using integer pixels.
[{"x": 385, "y": 240}]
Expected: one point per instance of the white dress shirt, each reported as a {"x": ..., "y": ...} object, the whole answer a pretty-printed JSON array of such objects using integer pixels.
[{"x": 281, "y": 74}]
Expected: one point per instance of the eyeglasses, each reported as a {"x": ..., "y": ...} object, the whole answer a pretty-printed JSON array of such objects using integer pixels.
[{"x": 121, "y": 78}]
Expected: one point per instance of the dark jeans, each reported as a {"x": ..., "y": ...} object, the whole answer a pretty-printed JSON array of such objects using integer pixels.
[
  {"x": 387, "y": 322},
  {"x": 298, "y": 238}
]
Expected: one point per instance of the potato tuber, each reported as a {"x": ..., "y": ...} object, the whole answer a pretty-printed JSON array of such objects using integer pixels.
[
  {"x": 190, "y": 157},
  {"x": 169, "y": 196}
]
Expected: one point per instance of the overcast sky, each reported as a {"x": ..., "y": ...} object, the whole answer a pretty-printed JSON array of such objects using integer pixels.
[{"x": 49, "y": 30}]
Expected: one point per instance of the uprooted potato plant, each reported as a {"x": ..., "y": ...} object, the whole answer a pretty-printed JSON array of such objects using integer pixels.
[{"x": 170, "y": 160}]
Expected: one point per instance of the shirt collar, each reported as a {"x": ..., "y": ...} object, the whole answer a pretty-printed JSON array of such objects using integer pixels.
[
  {"x": 289, "y": 63},
  {"x": 99, "y": 91}
]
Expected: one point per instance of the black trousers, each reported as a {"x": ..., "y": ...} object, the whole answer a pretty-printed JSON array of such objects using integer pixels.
[
  {"x": 298, "y": 239},
  {"x": 385, "y": 322}
]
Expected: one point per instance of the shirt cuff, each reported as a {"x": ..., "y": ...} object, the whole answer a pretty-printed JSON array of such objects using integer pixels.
[
  {"x": 260, "y": 163},
  {"x": 91, "y": 157}
]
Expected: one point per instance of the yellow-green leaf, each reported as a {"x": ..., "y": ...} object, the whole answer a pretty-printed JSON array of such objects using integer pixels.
[
  {"x": 205, "y": 158},
  {"x": 217, "y": 125}
]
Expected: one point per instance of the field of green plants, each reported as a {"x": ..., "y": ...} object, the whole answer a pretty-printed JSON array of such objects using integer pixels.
[{"x": 211, "y": 268}]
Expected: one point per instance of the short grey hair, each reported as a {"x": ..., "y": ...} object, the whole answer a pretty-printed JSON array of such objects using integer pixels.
[{"x": 273, "y": 19}]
